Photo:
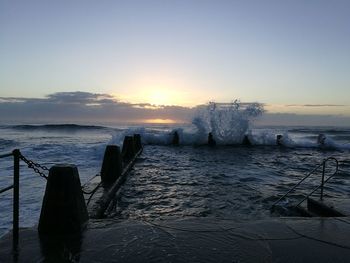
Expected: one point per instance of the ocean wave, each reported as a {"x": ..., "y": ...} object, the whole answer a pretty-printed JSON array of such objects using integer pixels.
[
  {"x": 193, "y": 137},
  {"x": 315, "y": 130},
  {"x": 6, "y": 143}
]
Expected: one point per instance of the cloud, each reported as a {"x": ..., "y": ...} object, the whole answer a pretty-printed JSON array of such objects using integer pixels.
[
  {"x": 79, "y": 97},
  {"x": 85, "y": 106},
  {"x": 93, "y": 107}
]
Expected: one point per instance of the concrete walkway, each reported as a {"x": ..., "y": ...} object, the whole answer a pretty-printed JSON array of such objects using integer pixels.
[{"x": 190, "y": 240}]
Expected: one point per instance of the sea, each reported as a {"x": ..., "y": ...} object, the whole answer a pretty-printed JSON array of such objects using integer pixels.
[{"x": 228, "y": 181}]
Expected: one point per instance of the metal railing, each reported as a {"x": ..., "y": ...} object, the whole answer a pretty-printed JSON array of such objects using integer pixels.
[
  {"x": 323, "y": 181},
  {"x": 15, "y": 186}
]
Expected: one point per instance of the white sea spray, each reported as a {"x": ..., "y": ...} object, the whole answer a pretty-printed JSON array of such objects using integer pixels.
[{"x": 228, "y": 123}]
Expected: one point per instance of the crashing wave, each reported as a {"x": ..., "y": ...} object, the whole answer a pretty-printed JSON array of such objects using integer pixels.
[{"x": 228, "y": 122}]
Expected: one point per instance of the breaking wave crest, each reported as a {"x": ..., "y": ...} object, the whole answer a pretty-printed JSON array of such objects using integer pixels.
[
  {"x": 231, "y": 123},
  {"x": 228, "y": 123}
]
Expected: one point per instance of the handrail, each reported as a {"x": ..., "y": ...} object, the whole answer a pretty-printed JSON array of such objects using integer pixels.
[
  {"x": 323, "y": 164},
  {"x": 6, "y": 189},
  {"x": 6, "y": 155},
  {"x": 15, "y": 186},
  {"x": 322, "y": 183}
]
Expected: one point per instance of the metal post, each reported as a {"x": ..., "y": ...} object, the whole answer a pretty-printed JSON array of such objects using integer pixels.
[
  {"x": 16, "y": 154},
  {"x": 322, "y": 181}
]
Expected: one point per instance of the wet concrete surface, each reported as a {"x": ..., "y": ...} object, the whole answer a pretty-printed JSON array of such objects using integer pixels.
[{"x": 189, "y": 240}]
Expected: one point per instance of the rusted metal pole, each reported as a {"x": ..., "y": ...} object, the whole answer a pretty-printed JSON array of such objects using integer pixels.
[{"x": 15, "y": 230}]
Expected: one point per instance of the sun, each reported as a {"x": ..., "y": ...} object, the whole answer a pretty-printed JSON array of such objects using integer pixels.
[
  {"x": 162, "y": 96},
  {"x": 159, "y": 93}
]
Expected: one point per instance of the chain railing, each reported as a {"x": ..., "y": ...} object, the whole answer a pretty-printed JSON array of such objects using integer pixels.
[
  {"x": 91, "y": 192},
  {"x": 40, "y": 170},
  {"x": 37, "y": 168}
]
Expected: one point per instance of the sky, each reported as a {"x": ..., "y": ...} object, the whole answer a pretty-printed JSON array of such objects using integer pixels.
[{"x": 292, "y": 56}]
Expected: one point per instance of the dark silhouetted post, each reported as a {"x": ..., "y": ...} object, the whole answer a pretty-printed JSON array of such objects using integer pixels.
[
  {"x": 112, "y": 165},
  {"x": 321, "y": 139},
  {"x": 279, "y": 139},
  {"x": 137, "y": 141},
  {"x": 128, "y": 151},
  {"x": 211, "y": 141},
  {"x": 246, "y": 140},
  {"x": 63, "y": 210},
  {"x": 176, "y": 139},
  {"x": 15, "y": 230}
]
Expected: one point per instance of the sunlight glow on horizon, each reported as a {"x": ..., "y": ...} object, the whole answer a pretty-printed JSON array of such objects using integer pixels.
[
  {"x": 159, "y": 121},
  {"x": 159, "y": 95}
]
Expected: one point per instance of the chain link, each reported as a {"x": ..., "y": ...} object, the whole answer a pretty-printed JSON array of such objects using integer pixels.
[
  {"x": 35, "y": 166},
  {"x": 38, "y": 168}
]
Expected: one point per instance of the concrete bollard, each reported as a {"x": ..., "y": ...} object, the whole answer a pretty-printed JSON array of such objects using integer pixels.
[
  {"x": 176, "y": 139},
  {"x": 211, "y": 140},
  {"x": 137, "y": 141},
  {"x": 279, "y": 140},
  {"x": 63, "y": 210},
  {"x": 128, "y": 151},
  {"x": 112, "y": 166}
]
